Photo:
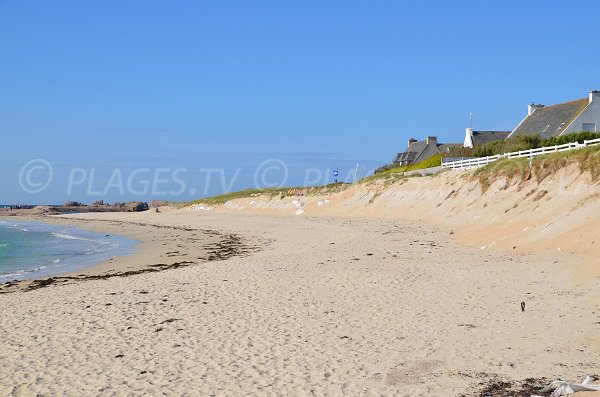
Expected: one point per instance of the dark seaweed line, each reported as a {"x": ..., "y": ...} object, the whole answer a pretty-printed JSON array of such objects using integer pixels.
[{"x": 231, "y": 245}]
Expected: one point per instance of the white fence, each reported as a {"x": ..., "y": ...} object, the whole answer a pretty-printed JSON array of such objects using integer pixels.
[{"x": 481, "y": 161}]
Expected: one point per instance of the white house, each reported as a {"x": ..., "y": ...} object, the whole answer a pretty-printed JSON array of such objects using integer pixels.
[{"x": 564, "y": 118}]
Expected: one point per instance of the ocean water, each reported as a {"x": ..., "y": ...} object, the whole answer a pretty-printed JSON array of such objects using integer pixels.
[{"x": 35, "y": 249}]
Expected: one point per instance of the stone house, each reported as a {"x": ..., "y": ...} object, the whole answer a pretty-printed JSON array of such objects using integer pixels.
[{"x": 417, "y": 151}]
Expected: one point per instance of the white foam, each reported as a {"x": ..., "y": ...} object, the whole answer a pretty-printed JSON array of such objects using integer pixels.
[
  {"x": 67, "y": 236},
  {"x": 11, "y": 275},
  {"x": 34, "y": 269},
  {"x": 75, "y": 246}
]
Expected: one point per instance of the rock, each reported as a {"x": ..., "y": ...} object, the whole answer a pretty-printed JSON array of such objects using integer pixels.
[{"x": 136, "y": 206}]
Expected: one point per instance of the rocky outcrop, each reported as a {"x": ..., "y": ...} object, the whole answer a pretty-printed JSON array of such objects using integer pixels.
[{"x": 136, "y": 206}]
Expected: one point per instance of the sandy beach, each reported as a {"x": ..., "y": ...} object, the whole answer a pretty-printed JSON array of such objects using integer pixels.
[
  {"x": 299, "y": 199},
  {"x": 317, "y": 304}
]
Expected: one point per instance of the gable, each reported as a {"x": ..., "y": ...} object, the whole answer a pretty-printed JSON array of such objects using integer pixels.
[{"x": 550, "y": 121}]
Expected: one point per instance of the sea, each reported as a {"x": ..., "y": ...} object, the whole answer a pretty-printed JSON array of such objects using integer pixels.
[{"x": 30, "y": 249}]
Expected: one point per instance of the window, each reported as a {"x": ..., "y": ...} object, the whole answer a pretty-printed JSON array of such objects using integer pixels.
[{"x": 590, "y": 127}]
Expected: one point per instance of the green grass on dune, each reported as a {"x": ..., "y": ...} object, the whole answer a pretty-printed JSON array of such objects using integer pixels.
[
  {"x": 397, "y": 173},
  {"x": 272, "y": 192},
  {"x": 521, "y": 169},
  {"x": 223, "y": 198}
]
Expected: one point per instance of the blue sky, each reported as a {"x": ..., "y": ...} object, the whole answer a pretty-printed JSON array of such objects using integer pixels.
[{"x": 230, "y": 84}]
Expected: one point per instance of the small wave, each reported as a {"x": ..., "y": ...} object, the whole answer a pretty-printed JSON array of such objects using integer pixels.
[
  {"x": 11, "y": 275},
  {"x": 62, "y": 249},
  {"x": 67, "y": 236},
  {"x": 20, "y": 273},
  {"x": 36, "y": 269}
]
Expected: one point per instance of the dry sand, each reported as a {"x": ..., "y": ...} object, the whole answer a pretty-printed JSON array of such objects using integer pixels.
[{"x": 383, "y": 290}]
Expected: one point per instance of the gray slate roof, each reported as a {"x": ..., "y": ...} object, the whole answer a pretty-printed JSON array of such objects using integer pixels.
[
  {"x": 445, "y": 147},
  {"x": 412, "y": 153},
  {"x": 480, "y": 138},
  {"x": 550, "y": 121},
  {"x": 420, "y": 150}
]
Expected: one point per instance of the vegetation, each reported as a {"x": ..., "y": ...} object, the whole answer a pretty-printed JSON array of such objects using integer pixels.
[
  {"x": 589, "y": 160},
  {"x": 433, "y": 161},
  {"x": 509, "y": 168},
  {"x": 272, "y": 192},
  {"x": 530, "y": 142},
  {"x": 459, "y": 151},
  {"x": 392, "y": 174},
  {"x": 508, "y": 145},
  {"x": 575, "y": 137},
  {"x": 521, "y": 169},
  {"x": 223, "y": 198}
]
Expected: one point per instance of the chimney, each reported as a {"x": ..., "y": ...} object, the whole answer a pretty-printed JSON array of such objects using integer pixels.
[
  {"x": 468, "y": 138},
  {"x": 411, "y": 141},
  {"x": 431, "y": 140},
  {"x": 595, "y": 94},
  {"x": 532, "y": 108}
]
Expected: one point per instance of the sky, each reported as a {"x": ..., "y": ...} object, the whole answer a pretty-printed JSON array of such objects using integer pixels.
[{"x": 135, "y": 100}]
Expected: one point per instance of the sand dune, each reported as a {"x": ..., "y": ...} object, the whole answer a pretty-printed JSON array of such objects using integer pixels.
[
  {"x": 412, "y": 289},
  {"x": 560, "y": 212}
]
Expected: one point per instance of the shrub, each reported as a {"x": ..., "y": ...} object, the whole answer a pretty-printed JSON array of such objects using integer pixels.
[
  {"x": 574, "y": 137},
  {"x": 459, "y": 151},
  {"x": 508, "y": 145},
  {"x": 433, "y": 161},
  {"x": 530, "y": 142},
  {"x": 393, "y": 173}
]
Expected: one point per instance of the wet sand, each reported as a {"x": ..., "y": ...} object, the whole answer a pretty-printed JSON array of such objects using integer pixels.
[{"x": 160, "y": 247}]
